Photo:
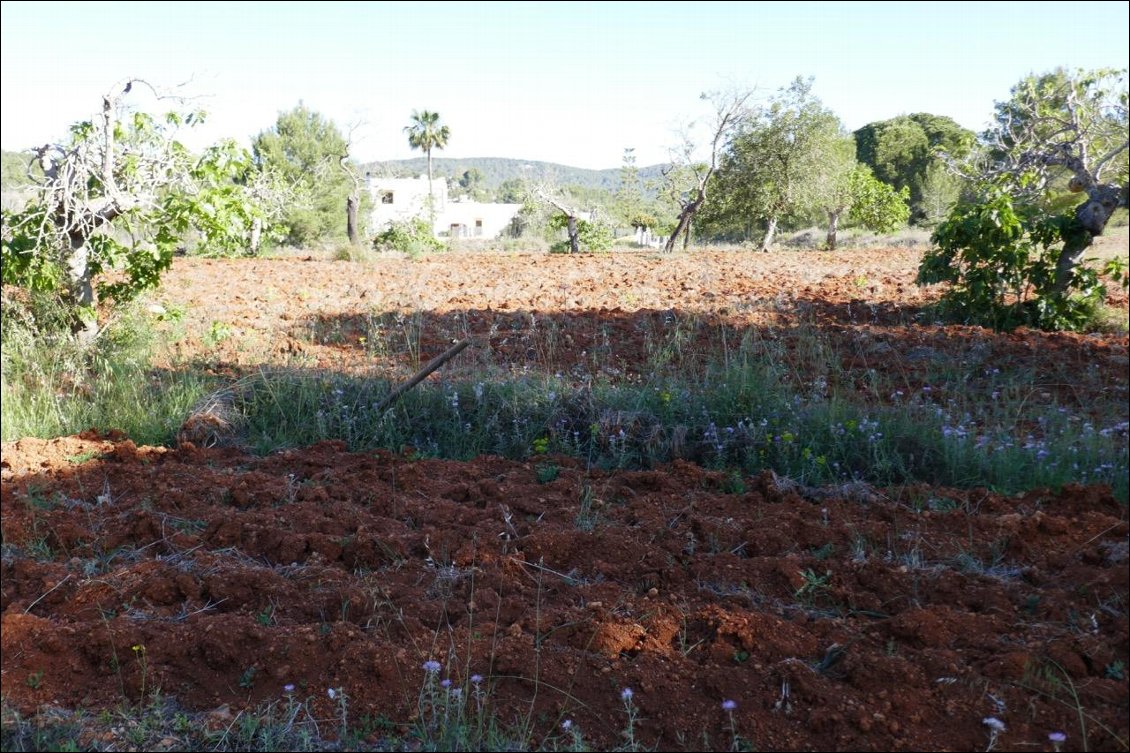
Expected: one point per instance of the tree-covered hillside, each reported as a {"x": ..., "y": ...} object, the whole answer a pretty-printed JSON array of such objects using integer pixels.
[{"x": 497, "y": 170}]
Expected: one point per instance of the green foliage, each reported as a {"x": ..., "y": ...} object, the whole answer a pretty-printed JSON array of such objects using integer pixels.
[
  {"x": 592, "y": 235},
  {"x": 902, "y": 151},
  {"x": 425, "y": 133},
  {"x": 844, "y": 185},
  {"x": 1048, "y": 116},
  {"x": 413, "y": 237},
  {"x": 53, "y": 385},
  {"x": 777, "y": 167},
  {"x": 512, "y": 191},
  {"x": 629, "y": 200},
  {"x": 1000, "y": 259},
  {"x": 304, "y": 150},
  {"x": 472, "y": 183},
  {"x": 16, "y": 166},
  {"x": 941, "y": 190},
  {"x": 79, "y": 225},
  {"x": 875, "y": 205},
  {"x": 1012, "y": 254}
]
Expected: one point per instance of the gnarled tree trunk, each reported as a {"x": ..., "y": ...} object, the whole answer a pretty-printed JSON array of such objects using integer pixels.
[
  {"x": 255, "y": 241},
  {"x": 683, "y": 224},
  {"x": 833, "y": 226},
  {"x": 770, "y": 231},
  {"x": 351, "y": 218},
  {"x": 1092, "y": 216},
  {"x": 353, "y": 201}
]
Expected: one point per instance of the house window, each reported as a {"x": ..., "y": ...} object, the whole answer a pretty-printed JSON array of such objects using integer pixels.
[
  {"x": 478, "y": 227},
  {"x": 386, "y": 197}
]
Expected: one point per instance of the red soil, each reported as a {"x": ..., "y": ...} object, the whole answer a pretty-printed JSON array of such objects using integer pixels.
[{"x": 840, "y": 618}]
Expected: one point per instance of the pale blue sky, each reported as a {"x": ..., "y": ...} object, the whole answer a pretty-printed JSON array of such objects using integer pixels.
[{"x": 564, "y": 82}]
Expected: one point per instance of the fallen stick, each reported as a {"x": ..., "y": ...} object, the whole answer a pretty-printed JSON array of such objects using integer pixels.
[{"x": 420, "y": 375}]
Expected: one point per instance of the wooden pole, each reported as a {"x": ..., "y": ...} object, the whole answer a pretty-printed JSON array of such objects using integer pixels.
[{"x": 420, "y": 375}]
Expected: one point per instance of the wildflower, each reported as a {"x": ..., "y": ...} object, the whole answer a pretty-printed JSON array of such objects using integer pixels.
[
  {"x": 432, "y": 667},
  {"x": 626, "y": 694},
  {"x": 728, "y": 705},
  {"x": 567, "y": 725},
  {"x": 445, "y": 683},
  {"x": 288, "y": 688},
  {"x": 996, "y": 726},
  {"x": 457, "y": 693},
  {"x": 331, "y": 693},
  {"x": 476, "y": 679},
  {"x": 1057, "y": 739}
]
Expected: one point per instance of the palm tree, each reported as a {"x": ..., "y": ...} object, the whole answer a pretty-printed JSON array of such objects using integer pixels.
[{"x": 426, "y": 133}]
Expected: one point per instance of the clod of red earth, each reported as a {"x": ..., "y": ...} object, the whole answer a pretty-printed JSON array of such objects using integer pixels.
[{"x": 863, "y": 623}]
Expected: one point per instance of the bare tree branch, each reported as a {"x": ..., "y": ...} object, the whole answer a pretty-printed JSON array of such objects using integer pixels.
[{"x": 730, "y": 109}]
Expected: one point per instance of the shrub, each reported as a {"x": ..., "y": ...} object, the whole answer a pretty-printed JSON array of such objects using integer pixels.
[
  {"x": 1000, "y": 259},
  {"x": 412, "y": 237},
  {"x": 593, "y": 236}
]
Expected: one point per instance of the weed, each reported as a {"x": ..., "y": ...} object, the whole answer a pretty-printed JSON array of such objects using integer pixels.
[
  {"x": 629, "y": 731},
  {"x": 267, "y": 616},
  {"x": 587, "y": 517},
  {"x": 547, "y": 472},
  {"x": 813, "y": 585},
  {"x": 140, "y": 657},
  {"x": 218, "y": 332},
  {"x": 734, "y": 483},
  {"x": 823, "y": 552},
  {"x": 247, "y": 678}
]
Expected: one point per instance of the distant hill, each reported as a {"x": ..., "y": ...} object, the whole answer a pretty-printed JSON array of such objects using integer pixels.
[
  {"x": 496, "y": 170},
  {"x": 15, "y": 166}
]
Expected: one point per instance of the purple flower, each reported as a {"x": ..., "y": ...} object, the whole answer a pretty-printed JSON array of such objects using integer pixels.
[
  {"x": 476, "y": 679},
  {"x": 567, "y": 725},
  {"x": 626, "y": 694},
  {"x": 728, "y": 705},
  {"x": 288, "y": 688},
  {"x": 432, "y": 667},
  {"x": 457, "y": 692},
  {"x": 445, "y": 683},
  {"x": 331, "y": 693},
  {"x": 996, "y": 725},
  {"x": 1057, "y": 737}
]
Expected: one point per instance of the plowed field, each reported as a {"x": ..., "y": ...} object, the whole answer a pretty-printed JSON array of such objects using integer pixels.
[{"x": 835, "y": 618}]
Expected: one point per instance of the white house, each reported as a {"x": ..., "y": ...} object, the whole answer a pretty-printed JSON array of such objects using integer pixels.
[{"x": 398, "y": 199}]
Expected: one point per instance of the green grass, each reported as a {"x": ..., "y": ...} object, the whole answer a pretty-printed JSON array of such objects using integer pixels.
[
  {"x": 740, "y": 415},
  {"x": 450, "y": 717},
  {"x": 756, "y": 407},
  {"x": 51, "y": 386}
]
